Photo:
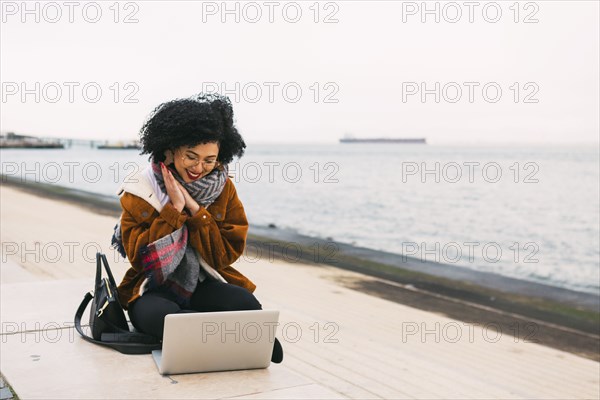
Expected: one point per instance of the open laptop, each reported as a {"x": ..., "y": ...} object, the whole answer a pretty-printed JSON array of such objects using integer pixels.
[{"x": 217, "y": 341}]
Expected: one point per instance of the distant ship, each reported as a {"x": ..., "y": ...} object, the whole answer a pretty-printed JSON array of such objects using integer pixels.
[{"x": 349, "y": 139}]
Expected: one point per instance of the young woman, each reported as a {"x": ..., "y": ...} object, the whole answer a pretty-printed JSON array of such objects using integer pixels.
[{"x": 182, "y": 224}]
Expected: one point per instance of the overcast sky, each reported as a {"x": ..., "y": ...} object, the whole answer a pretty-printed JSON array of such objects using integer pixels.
[{"x": 362, "y": 73}]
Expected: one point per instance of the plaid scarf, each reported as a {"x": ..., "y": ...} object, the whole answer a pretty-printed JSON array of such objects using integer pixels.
[{"x": 170, "y": 262}]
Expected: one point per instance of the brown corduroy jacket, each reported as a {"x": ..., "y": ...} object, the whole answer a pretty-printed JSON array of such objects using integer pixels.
[{"x": 218, "y": 233}]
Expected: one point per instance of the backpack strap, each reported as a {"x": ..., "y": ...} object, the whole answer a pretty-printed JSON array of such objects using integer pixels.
[{"x": 124, "y": 341}]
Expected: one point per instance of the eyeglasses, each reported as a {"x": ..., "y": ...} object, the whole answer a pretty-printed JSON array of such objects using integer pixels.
[{"x": 191, "y": 161}]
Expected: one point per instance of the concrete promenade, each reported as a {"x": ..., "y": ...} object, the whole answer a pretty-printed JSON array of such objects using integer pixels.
[{"x": 339, "y": 342}]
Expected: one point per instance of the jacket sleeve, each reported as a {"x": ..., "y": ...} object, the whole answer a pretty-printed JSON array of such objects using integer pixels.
[
  {"x": 220, "y": 243},
  {"x": 142, "y": 224}
]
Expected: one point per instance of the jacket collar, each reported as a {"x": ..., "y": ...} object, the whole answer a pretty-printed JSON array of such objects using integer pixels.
[{"x": 140, "y": 184}]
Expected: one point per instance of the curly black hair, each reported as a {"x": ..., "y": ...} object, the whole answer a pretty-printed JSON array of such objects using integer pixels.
[{"x": 203, "y": 118}]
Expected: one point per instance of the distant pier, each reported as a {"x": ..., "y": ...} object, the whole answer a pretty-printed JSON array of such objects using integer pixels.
[
  {"x": 14, "y": 141},
  {"x": 11, "y": 140}
]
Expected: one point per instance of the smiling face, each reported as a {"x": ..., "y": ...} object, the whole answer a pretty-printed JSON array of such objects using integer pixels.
[{"x": 192, "y": 163}]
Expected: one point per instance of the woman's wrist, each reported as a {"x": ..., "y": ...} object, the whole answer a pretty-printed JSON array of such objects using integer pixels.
[
  {"x": 193, "y": 209},
  {"x": 178, "y": 207}
]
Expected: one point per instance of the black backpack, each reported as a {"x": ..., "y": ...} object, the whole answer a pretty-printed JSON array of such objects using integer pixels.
[{"x": 108, "y": 324}]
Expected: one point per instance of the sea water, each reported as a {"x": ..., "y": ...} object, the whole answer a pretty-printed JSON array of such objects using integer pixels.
[{"x": 529, "y": 212}]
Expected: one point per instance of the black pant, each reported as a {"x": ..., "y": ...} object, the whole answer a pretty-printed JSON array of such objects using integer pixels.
[{"x": 147, "y": 313}]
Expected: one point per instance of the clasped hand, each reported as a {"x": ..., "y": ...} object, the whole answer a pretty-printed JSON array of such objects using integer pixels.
[{"x": 180, "y": 198}]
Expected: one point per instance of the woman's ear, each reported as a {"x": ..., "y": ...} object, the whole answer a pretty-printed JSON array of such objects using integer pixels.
[{"x": 169, "y": 157}]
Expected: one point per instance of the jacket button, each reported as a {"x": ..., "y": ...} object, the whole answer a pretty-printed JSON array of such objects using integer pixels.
[
  {"x": 204, "y": 217},
  {"x": 145, "y": 214},
  {"x": 218, "y": 215}
]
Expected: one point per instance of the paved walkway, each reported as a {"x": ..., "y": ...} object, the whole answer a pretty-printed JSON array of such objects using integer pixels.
[{"x": 338, "y": 342}]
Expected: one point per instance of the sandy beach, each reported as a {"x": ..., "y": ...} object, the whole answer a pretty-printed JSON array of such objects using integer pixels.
[{"x": 368, "y": 328}]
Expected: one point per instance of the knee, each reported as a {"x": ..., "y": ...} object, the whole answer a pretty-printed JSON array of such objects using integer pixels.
[
  {"x": 240, "y": 299},
  {"x": 148, "y": 314},
  {"x": 220, "y": 296},
  {"x": 248, "y": 302}
]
